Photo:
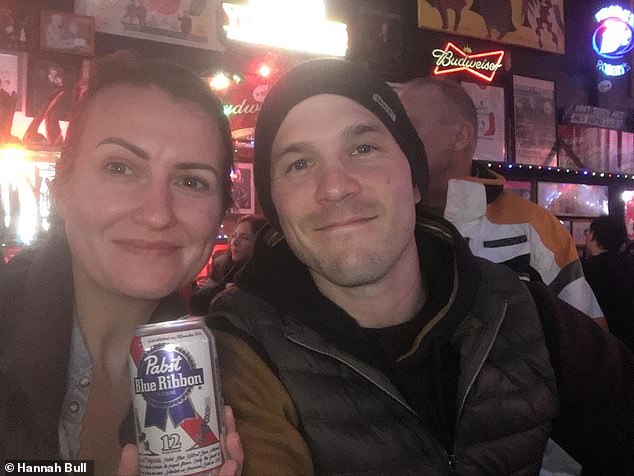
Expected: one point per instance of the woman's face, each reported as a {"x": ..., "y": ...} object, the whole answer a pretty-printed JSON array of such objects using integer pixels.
[
  {"x": 242, "y": 241},
  {"x": 143, "y": 201}
]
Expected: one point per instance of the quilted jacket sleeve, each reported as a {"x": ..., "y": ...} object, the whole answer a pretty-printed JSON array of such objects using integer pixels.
[{"x": 265, "y": 416}]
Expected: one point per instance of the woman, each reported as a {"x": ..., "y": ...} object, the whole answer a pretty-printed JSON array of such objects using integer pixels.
[
  {"x": 141, "y": 188},
  {"x": 229, "y": 263}
]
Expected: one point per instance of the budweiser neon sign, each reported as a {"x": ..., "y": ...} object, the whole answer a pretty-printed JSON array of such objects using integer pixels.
[{"x": 452, "y": 59}]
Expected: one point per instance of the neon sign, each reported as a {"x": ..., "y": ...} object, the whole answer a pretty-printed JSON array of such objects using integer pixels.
[
  {"x": 613, "y": 69},
  {"x": 287, "y": 24},
  {"x": 613, "y": 38},
  {"x": 452, "y": 59}
]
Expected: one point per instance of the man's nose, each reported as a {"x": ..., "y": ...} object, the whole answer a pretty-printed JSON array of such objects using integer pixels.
[{"x": 336, "y": 182}]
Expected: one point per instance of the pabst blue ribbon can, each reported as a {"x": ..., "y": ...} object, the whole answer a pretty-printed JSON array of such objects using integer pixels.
[{"x": 175, "y": 389}]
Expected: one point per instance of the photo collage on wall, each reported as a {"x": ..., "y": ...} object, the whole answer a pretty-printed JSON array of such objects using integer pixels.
[{"x": 43, "y": 55}]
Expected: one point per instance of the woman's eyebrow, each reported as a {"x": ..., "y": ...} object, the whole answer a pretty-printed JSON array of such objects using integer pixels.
[
  {"x": 136, "y": 150},
  {"x": 144, "y": 155}
]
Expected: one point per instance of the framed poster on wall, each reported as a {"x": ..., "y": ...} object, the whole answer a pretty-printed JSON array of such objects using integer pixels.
[
  {"x": 521, "y": 188},
  {"x": 567, "y": 224},
  {"x": 243, "y": 188},
  {"x": 63, "y": 32},
  {"x": 13, "y": 78},
  {"x": 573, "y": 199},
  {"x": 579, "y": 228},
  {"x": 376, "y": 41},
  {"x": 489, "y": 103},
  {"x": 535, "y": 121},
  {"x": 45, "y": 78},
  {"x": 193, "y": 23},
  {"x": 529, "y": 23}
]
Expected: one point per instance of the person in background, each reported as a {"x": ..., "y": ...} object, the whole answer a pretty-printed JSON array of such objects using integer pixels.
[
  {"x": 364, "y": 336},
  {"x": 498, "y": 225},
  {"x": 229, "y": 263},
  {"x": 140, "y": 189},
  {"x": 610, "y": 272}
]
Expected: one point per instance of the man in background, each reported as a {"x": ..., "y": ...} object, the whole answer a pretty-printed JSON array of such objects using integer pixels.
[
  {"x": 610, "y": 272},
  {"x": 498, "y": 225}
]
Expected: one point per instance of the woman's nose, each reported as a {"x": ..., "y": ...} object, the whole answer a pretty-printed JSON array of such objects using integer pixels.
[{"x": 156, "y": 207}]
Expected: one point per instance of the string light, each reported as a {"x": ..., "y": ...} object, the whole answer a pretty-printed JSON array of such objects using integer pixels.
[
  {"x": 219, "y": 81},
  {"x": 265, "y": 70},
  {"x": 537, "y": 170}
]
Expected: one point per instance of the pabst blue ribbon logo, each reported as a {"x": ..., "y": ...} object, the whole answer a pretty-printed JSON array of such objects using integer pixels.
[{"x": 165, "y": 376}]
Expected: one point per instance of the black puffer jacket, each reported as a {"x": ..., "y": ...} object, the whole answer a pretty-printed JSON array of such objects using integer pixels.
[{"x": 363, "y": 413}]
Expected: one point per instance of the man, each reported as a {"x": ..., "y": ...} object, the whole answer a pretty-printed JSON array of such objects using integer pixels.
[
  {"x": 365, "y": 337},
  {"x": 610, "y": 272},
  {"x": 498, "y": 225}
]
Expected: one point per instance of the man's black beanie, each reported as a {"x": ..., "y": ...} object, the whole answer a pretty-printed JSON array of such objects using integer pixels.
[{"x": 340, "y": 77}]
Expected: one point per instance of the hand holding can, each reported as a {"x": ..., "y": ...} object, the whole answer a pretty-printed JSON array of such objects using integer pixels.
[{"x": 178, "y": 407}]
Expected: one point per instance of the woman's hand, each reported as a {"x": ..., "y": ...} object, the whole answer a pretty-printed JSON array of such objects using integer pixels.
[
  {"x": 234, "y": 451},
  {"x": 129, "y": 463}
]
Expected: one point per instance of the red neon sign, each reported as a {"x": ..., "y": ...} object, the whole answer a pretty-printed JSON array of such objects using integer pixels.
[{"x": 482, "y": 65}]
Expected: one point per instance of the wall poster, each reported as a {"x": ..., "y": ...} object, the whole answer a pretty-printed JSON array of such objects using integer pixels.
[
  {"x": 192, "y": 23},
  {"x": 489, "y": 103},
  {"x": 376, "y": 41},
  {"x": 573, "y": 199},
  {"x": 535, "y": 121},
  {"x": 243, "y": 188},
  {"x": 521, "y": 188},
  {"x": 45, "y": 78},
  {"x": 531, "y": 23},
  {"x": 596, "y": 149},
  {"x": 579, "y": 230},
  {"x": 12, "y": 79},
  {"x": 63, "y": 32}
]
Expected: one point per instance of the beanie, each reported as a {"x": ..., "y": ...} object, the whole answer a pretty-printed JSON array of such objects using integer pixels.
[{"x": 340, "y": 77}]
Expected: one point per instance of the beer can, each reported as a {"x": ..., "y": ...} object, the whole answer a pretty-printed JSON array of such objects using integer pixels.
[{"x": 175, "y": 389}]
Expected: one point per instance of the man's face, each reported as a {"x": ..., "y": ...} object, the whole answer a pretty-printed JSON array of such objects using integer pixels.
[
  {"x": 342, "y": 189},
  {"x": 439, "y": 132},
  {"x": 592, "y": 247},
  {"x": 143, "y": 201}
]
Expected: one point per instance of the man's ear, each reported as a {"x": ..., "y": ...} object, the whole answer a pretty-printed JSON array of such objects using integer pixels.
[
  {"x": 417, "y": 195},
  {"x": 464, "y": 136}
]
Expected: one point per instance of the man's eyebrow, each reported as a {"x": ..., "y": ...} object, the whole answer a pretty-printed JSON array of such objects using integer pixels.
[
  {"x": 349, "y": 132},
  {"x": 126, "y": 145},
  {"x": 295, "y": 147},
  {"x": 357, "y": 130},
  {"x": 195, "y": 165}
]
